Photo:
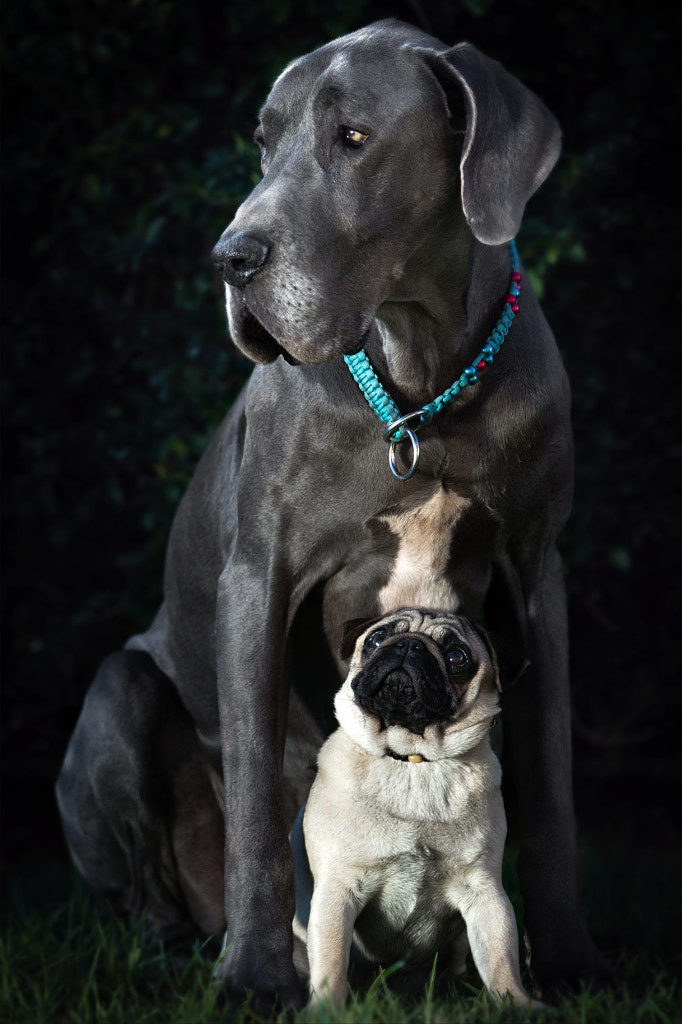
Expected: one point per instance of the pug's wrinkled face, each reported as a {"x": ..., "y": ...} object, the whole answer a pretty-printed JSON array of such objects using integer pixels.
[{"x": 418, "y": 682}]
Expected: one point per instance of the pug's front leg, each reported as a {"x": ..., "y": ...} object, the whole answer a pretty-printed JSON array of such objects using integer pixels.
[
  {"x": 333, "y": 912},
  {"x": 494, "y": 942}
]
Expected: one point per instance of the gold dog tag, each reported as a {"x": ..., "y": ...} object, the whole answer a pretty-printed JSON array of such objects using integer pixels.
[{"x": 415, "y": 758}]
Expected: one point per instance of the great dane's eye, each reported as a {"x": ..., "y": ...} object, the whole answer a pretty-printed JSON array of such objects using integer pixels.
[
  {"x": 352, "y": 138},
  {"x": 456, "y": 659},
  {"x": 260, "y": 142}
]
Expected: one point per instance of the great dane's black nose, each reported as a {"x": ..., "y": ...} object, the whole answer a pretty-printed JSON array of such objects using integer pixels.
[{"x": 239, "y": 257}]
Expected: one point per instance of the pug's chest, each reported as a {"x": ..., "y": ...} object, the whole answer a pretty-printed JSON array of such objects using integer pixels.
[{"x": 408, "y": 909}]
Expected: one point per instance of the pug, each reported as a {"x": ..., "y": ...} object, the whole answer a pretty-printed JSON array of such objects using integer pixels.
[{"x": 404, "y": 827}]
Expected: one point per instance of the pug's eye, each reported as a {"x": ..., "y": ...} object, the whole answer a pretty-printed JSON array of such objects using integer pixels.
[
  {"x": 376, "y": 638},
  {"x": 456, "y": 659},
  {"x": 352, "y": 138}
]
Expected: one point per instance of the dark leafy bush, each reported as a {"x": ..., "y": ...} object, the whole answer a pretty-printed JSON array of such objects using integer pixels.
[{"x": 127, "y": 147}]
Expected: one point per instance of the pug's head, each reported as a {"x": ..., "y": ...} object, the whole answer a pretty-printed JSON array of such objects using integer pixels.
[{"x": 419, "y": 682}]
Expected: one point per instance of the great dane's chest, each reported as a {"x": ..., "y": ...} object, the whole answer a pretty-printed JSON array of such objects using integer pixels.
[
  {"x": 419, "y": 575},
  {"x": 436, "y": 553}
]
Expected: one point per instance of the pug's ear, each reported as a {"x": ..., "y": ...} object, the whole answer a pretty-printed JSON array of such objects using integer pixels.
[
  {"x": 485, "y": 637},
  {"x": 506, "y": 675},
  {"x": 351, "y": 631}
]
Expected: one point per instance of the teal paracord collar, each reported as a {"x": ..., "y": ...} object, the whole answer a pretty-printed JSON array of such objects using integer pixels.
[{"x": 397, "y": 428}]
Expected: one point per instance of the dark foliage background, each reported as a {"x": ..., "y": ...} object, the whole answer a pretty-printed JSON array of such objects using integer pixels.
[{"x": 127, "y": 128}]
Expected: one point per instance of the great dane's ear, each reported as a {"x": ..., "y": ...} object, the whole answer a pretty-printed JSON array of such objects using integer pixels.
[
  {"x": 351, "y": 631},
  {"x": 511, "y": 140}
]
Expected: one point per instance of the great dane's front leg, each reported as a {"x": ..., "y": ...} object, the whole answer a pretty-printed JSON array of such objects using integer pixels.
[
  {"x": 537, "y": 719},
  {"x": 259, "y": 872}
]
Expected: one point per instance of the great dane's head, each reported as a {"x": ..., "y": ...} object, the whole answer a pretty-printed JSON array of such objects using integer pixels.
[{"x": 380, "y": 151}]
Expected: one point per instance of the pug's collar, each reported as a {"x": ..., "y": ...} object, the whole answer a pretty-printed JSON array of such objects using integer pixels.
[
  {"x": 412, "y": 758},
  {"x": 419, "y": 758}
]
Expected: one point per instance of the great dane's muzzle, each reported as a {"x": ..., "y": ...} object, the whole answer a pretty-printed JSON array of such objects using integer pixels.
[{"x": 239, "y": 257}]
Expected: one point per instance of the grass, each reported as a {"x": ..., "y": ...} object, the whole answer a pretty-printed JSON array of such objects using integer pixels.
[{"x": 64, "y": 959}]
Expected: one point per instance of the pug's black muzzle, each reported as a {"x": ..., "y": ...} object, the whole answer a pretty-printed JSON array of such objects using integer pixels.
[{"x": 403, "y": 683}]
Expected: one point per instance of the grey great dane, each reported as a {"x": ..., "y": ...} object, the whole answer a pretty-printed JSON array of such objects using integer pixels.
[{"x": 395, "y": 170}]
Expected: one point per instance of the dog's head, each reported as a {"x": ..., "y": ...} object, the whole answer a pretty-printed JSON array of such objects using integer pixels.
[
  {"x": 419, "y": 682},
  {"x": 382, "y": 153}
]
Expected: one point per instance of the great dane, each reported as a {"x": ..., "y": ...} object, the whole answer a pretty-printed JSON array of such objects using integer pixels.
[{"x": 395, "y": 170}]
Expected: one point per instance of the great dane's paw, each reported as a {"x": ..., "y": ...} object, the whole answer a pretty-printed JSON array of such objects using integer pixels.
[
  {"x": 583, "y": 968},
  {"x": 270, "y": 979}
]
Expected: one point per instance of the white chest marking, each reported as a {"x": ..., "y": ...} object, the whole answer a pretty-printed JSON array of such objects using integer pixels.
[{"x": 425, "y": 533}]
